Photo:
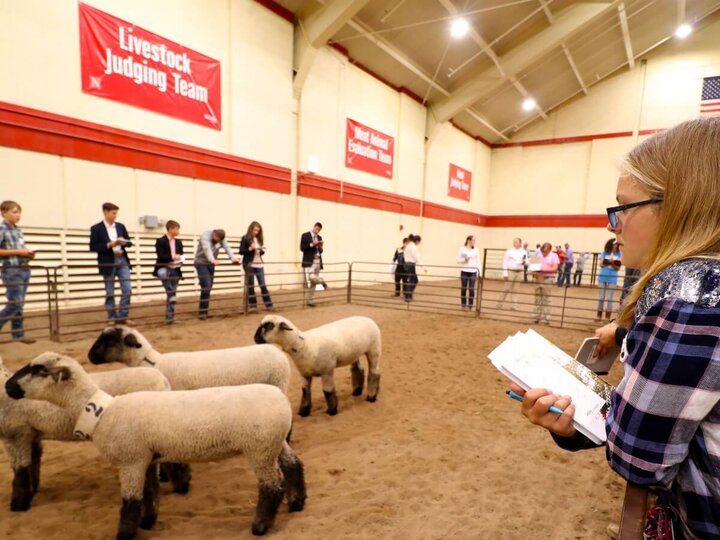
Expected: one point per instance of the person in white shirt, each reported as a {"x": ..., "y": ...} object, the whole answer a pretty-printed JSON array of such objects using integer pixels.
[
  {"x": 512, "y": 272},
  {"x": 412, "y": 259},
  {"x": 469, "y": 258}
]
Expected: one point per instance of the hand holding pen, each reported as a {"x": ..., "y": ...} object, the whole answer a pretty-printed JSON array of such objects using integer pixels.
[{"x": 536, "y": 407}]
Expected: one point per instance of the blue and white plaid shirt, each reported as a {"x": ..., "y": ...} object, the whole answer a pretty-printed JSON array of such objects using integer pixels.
[
  {"x": 664, "y": 426},
  {"x": 12, "y": 238}
]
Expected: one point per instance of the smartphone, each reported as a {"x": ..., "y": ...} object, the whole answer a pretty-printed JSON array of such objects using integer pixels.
[{"x": 601, "y": 364}]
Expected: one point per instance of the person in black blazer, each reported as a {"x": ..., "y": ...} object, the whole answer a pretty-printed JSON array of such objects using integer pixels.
[
  {"x": 169, "y": 251},
  {"x": 311, "y": 245},
  {"x": 109, "y": 239}
]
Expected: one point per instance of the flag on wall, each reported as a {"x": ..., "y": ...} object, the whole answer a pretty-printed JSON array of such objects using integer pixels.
[{"x": 710, "y": 101}]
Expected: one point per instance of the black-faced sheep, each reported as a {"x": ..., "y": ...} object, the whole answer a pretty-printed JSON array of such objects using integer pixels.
[
  {"x": 317, "y": 352},
  {"x": 24, "y": 424},
  {"x": 191, "y": 370},
  {"x": 136, "y": 431}
]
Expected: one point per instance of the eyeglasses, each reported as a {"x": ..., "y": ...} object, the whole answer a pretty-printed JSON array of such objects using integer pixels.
[{"x": 614, "y": 210}]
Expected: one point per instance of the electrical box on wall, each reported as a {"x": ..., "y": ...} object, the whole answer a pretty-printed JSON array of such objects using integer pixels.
[{"x": 151, "y": 222}]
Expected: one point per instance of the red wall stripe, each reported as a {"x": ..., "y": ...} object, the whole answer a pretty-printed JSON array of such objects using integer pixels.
[
  {"x": 39, "y": 131},
  {"x": 277, "y": 9}
]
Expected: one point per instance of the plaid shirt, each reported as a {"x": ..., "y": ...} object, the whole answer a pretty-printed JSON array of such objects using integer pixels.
[
  {"x": 664, "y": 426},
  {"x": 12, "y": 238}
]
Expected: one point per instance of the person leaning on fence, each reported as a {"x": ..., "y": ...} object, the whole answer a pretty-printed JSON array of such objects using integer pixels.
[
  {"x": 544, "y": 275},
  {"x": 663, "y": 425},
  {"x": 412, "y": 261},
  {"x": 252, "y": 248},
  {"x": 169, "y": 252},
  {"x": 109, "y": 239},
  {"x": 512, "y": 268},
  {"x": 15, "y": 271},
  {"x": 399, "y": 274},
  {"x": 610, "y": 263},
  {"x": 206, "y": 258},
  {"x": 580, "y": 261},
  {"x": 469, "y": 258},
  {"x": 311, "y": 245}
]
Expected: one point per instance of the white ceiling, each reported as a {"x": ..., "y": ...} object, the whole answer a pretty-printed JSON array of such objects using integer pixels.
[{"x": 552, "y": 50}]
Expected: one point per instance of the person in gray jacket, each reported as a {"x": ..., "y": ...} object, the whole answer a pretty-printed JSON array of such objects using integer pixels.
[{"x": 206, "y": 258}]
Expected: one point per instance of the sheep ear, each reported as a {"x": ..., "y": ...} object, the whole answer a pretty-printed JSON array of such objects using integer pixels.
[
  {"x": 59, "y": 374},
  {"x": 285, "y": 326},
  {"x": 131, "y": 341}
]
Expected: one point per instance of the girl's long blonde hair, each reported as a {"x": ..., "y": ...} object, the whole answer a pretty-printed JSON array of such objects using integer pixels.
[{"x": 681, "y": 166}]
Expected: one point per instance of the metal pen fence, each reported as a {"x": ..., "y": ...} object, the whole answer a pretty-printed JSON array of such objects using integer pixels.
[{"x": 65, "y": 301}]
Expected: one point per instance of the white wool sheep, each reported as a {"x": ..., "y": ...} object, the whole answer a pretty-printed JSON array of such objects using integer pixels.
[
  {"x": 23, "y": 425},
  {"x": 137, "y": 431},
  {"x": 199, "y": 369},
  {"x": 317, "y": 352}
]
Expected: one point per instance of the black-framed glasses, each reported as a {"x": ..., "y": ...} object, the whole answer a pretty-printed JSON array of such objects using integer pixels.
[{"x": 614, "y": 210}]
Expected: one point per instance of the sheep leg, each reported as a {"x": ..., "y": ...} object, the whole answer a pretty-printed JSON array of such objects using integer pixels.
[
  {"x": 179, "y": 475},
  {"x": 358, "y": 378},
  {"x": 328, "y": 380},
  {"x": 132, "y": 483},
  {"x": 36, "y": 454},
  {"x": 19, "y": 452},
  {"x": 292, "y": 469},
  {"x": 270, "y": 495},
  {"x": 306, "y": 397},
  {"x": 151, "y": 498},
  {"x": 373, "y": 358}
]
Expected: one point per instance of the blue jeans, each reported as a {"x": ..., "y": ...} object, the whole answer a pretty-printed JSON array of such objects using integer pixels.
[
  {"x": 170, "y": 277},
  {"x": 606, "y": 292},
  {"x": 121, "y": 270},
  {"x": 467, "y": 285},
  {"x": 16, "y": 284},
  {"x": 565, "y": 275},
  {"x": 251, "y": 273},
  {"x": 412, "y": 280},
  {"x": 206, "y": 275}
]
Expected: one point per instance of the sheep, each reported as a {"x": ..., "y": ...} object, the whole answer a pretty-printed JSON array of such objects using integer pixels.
[
  {"x": 317, "y": 352},
  {"x": 192, "y": 370},
  {"x": 135, "y": 432},
  {"x": 23, "y": 425}
]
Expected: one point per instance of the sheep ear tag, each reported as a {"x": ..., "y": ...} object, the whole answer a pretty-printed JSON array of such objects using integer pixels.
[
  {"x": 285, "y": 326},
  {"x": 60, "y": 374}
]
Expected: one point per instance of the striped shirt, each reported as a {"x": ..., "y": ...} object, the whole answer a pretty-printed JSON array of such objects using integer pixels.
[
  {"x": 664, "y": 426},
  {"x": 12, "y": 238}
]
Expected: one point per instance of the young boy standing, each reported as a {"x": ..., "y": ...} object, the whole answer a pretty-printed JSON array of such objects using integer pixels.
[
  {"x": 15, "y": 272},
  {"x": 169, "y": 251}
]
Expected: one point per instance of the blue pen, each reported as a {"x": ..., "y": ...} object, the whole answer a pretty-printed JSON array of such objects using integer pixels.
[{"x": 513, "y": 395}]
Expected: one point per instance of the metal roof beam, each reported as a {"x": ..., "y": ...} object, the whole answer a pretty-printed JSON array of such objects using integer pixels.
[
  {"x": 574, "y": 68},
  {"x": 626, "y": 35}
]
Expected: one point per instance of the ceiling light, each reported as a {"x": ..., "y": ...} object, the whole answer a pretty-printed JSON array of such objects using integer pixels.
[
  {"x": 529, "y": 104},
  {"x": 683, "y": 31},
  {"x": 459, "y": 28}
]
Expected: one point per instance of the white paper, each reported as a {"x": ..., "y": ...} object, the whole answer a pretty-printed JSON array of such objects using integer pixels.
[{"x": 533, "y": 362}]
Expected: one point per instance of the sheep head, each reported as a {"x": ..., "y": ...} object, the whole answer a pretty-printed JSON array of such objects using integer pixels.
[
  {"x": 47, "y": 377},
  {"x": 119, "y": 344},
  {"x": 278, "y": 330}
]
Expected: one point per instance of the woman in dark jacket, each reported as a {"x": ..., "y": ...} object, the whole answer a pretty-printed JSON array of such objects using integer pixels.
[{"x": 252, "y": 250}]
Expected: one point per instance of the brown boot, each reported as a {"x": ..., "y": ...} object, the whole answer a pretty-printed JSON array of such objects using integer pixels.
[
  {"x": 599, "y": 316},
  {"x": 608, "y": 315}
]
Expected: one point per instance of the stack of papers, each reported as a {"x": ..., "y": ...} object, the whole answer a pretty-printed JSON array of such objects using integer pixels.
[{"x": 532, "y": 361}]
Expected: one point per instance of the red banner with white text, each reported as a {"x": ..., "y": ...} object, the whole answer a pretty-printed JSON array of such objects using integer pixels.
[
  {"x": 369, "y": 150},
  {"x": 459, "y": 182},
  {"x": 126, "y": 63}
]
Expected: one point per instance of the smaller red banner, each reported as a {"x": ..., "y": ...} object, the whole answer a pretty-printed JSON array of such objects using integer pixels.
[
  {"x": 459, "y": 182},
  {"x": 369, "y": 150}
]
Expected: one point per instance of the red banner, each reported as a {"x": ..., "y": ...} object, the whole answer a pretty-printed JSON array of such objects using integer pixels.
[
  {"x": 459, "y": 183},
  {"x": 126, "y": 63},
  {"x": 369, "y": 150}
]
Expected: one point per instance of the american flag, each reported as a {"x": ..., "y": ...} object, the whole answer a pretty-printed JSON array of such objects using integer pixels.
[{"x": 710, "y": 101}]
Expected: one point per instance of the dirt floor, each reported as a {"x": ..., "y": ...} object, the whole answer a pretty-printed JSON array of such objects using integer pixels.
[{"x": 443, "y": 453}]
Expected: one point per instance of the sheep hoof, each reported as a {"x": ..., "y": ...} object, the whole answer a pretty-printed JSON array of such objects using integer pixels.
[
  {"x": 372, "y": 399},
  {"x": 147, "y": 522},
  {"x": 21, "y": 504},
  {"x": 304, "y": 411},
  {"x": 296, "y": 506},
  {"x": 357, "y": 391},
  {"x": 331, "y": 412},
  {"x": 259, "y": 530}
]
